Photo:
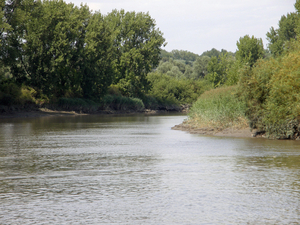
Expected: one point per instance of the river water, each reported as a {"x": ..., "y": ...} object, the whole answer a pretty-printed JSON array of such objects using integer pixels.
[{"x": 136, "y": 170}]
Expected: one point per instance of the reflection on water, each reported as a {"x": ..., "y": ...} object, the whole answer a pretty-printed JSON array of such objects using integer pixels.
[{"x": 136, "y": 170}]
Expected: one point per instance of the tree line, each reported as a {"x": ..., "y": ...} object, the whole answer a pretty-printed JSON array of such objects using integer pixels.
[{"x": 61, "y": 50}]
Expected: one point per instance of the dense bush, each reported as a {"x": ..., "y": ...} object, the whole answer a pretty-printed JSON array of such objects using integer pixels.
[
  {"x": 169, "y": 90},
  {"x": 271, "y": 91},
  {"x": 12, "y": 94}
]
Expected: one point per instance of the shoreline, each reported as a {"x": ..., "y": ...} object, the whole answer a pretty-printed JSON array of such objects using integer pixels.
[
  {"x": 228, "y": 132},
  {"x": 45, "y": 112}
]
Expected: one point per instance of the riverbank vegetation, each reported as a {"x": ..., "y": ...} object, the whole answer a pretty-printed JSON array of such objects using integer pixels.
[
  {"x": 219, "y": 108},
  {"x": 266, "y": 84},
  {"x": 60, "y": 56}
]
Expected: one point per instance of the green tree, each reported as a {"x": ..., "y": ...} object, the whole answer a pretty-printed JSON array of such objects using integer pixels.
[
  {"x": 96, "y": 67},
  {"x": 184, "y": 55},
  {"x": 138, "y": 43},
  {"x": 217, "y": 69},
  {"x": 287, "y": 30},
  {"x": 54, "y": 45},
  {"x": 175, "y": 72},
  {"x": 164, "y": 67},
  {"x": 15, "y": 16},
  {"x": 188, "y": 73},
  {"x": 250, "y": 49}
]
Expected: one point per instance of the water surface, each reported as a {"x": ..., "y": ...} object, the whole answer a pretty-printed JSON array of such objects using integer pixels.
[{"x": 136, "y": 170}]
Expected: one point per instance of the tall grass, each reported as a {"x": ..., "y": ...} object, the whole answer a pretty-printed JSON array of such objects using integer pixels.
[{"x": 219, "y": 108}]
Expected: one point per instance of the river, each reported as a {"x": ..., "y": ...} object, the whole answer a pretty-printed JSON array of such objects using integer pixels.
[{"x": 136, "y": 170}]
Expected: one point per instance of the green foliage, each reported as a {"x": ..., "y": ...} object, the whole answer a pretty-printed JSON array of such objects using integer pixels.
[
  {"x": 250, "y": 49},
  {"x": 63, "y": 50},
  {"x": 167, "y": 89},
  {"x": 9, "y": 93},
  {"x": 4, "y": 26},
  {"x": 97, "y": 59},
  {"x": 200, "y": 67},
  {"x": 283, "y": 103},
  {"x": 138, "y": 43},
  {"x": 12, "y": 94},
  {"x": 271, "y": 91},
  {"x": 214, "y": 52},
  {"x": 233, "y": 73},
  {"x": 186, "y": 56},
  {"x": 287, "y": 30},
  {"x": 117, "y": 102},
  {"x": 211, "y": 53},
  {"x": 150, "y": 102},
  {"x": 219, "y": 108},
  {"x": 175, "y": 68},
  {"x": 52, "y": 45},
  {"x": 217, "y": 69}
]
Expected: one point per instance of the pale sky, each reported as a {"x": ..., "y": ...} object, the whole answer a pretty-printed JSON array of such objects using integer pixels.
[{"x": 200, "y": 25}]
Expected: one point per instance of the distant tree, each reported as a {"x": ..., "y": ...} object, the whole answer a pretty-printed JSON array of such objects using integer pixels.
[
  {"x": 188, "y": 73},
  {"x": 175, "y": 72},
  {"x": 165, "y": 56},
  {"x": 184, "y": 55},
  {"x": 200, "y": 67},
  {"x": 180, "y": 64},
  {"x": 164, "y": 67},
  {"x": 211, "y": 53},
  {"x": 250, "y": 49},
  {"x": 173, "y": 68}
]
